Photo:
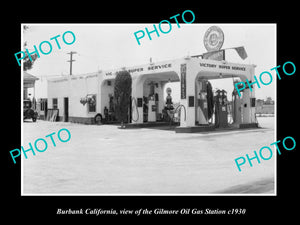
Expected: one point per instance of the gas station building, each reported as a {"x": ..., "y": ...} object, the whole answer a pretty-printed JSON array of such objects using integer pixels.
[{"x": 83, "y": 98}]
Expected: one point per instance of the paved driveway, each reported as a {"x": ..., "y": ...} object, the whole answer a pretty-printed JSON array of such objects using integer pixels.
[{"x": 107, "y": 160}]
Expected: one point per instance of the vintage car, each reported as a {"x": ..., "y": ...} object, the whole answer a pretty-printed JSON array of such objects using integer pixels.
[{"x": 28, "y": 112}]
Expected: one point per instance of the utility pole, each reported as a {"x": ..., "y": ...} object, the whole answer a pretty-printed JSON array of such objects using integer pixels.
[{"x": 71, "y": 60}]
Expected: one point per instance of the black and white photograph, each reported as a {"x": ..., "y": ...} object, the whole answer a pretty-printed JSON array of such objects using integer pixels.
[
  {"x": 144, "y": 117},
  {"x": 134, "y": 112}
]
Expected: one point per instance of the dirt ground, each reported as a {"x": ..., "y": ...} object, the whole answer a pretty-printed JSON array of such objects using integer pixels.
[{"x": 102, "y": 159}]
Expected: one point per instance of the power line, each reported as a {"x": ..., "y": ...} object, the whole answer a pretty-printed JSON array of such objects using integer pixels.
[{"x": 71, "y": 60}]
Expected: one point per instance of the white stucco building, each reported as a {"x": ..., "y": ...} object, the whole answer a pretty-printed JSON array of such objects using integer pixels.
[{"x": 69, "y": 93}]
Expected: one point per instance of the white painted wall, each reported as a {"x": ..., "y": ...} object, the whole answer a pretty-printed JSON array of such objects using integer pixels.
[{"x": 75, "y": 88}]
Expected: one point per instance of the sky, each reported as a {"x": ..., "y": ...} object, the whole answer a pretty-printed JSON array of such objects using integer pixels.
[{"x": 111, "y": 46}]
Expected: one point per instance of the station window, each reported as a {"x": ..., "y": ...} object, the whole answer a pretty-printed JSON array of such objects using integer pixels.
[
  {"x": 54, "y": 103},
  {"x": 91, "y": 103}
]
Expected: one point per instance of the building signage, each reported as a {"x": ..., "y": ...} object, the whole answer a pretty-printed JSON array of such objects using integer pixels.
[
  {"x": 141, "y": 69},
  {"x": 183, "y": 81},
  {"x": 135, "y": 70},
  {"x": 213, "y": 39},
  {"x": 208, "y": 65},
  {"x": 227, "y": 67},
  {"x": 167, "y": 65},
  {"x": 215, "y": 55}
]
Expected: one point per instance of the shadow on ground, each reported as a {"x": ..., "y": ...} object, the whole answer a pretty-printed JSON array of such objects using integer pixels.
[{"x": 257, "y": 187}]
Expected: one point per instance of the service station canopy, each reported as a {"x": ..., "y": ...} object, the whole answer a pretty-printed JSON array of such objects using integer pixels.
[{"x": 213, "y": 69}]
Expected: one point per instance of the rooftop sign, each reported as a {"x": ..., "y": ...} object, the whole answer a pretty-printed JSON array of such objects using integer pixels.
[{"x": 213, "y": 39}]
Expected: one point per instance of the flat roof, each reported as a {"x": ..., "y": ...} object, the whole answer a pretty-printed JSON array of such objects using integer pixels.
[
  {"x": 73, "y": 77},
  {"x": 163, "y": 66}
]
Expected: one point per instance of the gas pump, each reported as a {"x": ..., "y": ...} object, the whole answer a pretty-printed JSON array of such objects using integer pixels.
[
  {"x": 152, "y": 109},
  {"x": 152, "y": 103},
  {"x": 221, "y": 112},
  {"x": 168, "y": 109}
]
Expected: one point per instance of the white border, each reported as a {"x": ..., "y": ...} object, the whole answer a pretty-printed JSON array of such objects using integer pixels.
[{"x": 21, "y": 111}]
